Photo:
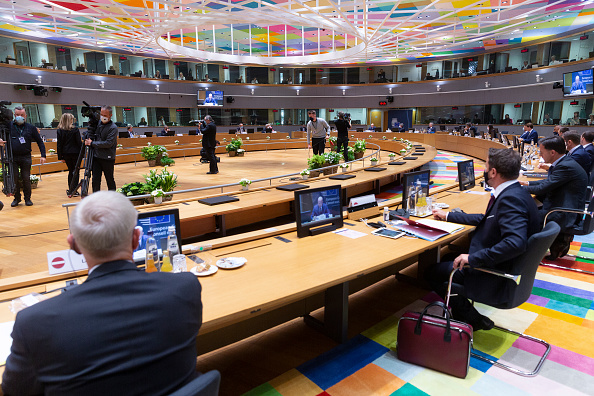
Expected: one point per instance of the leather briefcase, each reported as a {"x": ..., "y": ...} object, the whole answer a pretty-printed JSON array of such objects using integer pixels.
[{"x": 435, "y": 342}]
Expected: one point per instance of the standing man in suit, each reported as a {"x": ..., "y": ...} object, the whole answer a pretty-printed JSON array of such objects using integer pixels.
[
  {"x": 208, "y": 129},
  {"x": 105, "y": 150},
  {"x": 431, "y": 128},
  {"x": 565, "y": 187},
  {"x": 241, "y": 129},
  {"x": 342, "y": 128},
  {"x": 529, "y": 135},
  {"x": 123, "y": 331},
  {"x": 501, "y": 235},
  {"x": 576, "y": 151}
]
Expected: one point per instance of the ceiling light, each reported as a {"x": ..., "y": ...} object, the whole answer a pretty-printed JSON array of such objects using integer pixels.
[
  {"x": 38, "y": 79},
  {"x": 102, "y": 84},
  {"x": 157, "y": 88}
]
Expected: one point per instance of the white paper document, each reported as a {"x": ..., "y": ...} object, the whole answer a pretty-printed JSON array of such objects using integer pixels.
[
  {"x": 5, "y": 340},
  {"x": 350, "y": 233}
]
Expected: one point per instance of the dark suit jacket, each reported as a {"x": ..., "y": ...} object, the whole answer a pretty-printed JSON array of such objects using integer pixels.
[
  {"x": 431, "y": 130},
  {"x": 123, "y": 331},
  {"x": 590, "y": 150},
  {"x": 582, "y": 157},
  {"x": 501, "y": 234},
  {"x": 106, "y": 141},
  {"x": 564, "y": 188},
  {"x": 530, "y": 136},
  {"x": 69, "y": 142},
  {"x": 317, "y": 211},
  {"x": 209, "y": 135}
]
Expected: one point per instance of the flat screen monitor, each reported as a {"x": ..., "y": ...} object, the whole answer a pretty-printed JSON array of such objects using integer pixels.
[
  {"x": 318, "y": 210},
  {"x": 158, "y": 221},
  {"x": 410, "y": 180},
  {"x": 193, "y": 132},
  {"x": 578, "y": 83},
  {"x": 210, "y": 98},
  {"x": 170, "y": 133},
  {"x": 148, "y": 134},
  {"x": 466, "y": 174},
  {"x": 123, "y": 135}
]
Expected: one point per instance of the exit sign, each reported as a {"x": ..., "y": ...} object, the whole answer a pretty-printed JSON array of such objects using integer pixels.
[
  {"x": 383, "y": 103},
  {"x": 517, "y": 106},
  {"x": 574, "y": 103}
]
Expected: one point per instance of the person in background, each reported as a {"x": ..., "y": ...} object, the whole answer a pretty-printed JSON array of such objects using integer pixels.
[
  {"x": 590, "y": 120},
  {"x": 157, "y": 74},
  {"x": 506, "y": 120},
  {"x": 529, "y": 135},
  {"x": 290, "y": 80},
  {"x": 254, "y": 80},
  {"x": 22, "y": 135},
  {"x": 142, "y": 122},
  {"x": 164, "y": 131},
  {"x": 208, "y": 129},
  {"x": 576, "y": 151},
  {"x": 316, "y": 133},
  {"x": 401, "y": 127},
  {"x": 342, "y": 142},
  {"x": 162, "y": 122},
  {"x": 69, "y": 147},
  {"x": 554, "y": 61},
  {"x": 371, "y": 127},
  {"x": 586, "y": 141},
  {"x": 381, "y": 75},
  {"x": 122, "y": 331},
  {"x": 181, "y": 76},
  {"x": 241, "y": 129},
  {"x": 104, "y": 150},
  {"x": 268, "y": 128},
  {"x": 525, "y": 65},
  {"x": 321, "y": 209},
  {"x": 476, "y": 120},
  {"x": 547, "y": 120},
  {"x": 430, "y": 128},
  {"x": 575, "y": 120},
  {"x": 130, "y": 131},
  {"x": 206, "y": 78}
]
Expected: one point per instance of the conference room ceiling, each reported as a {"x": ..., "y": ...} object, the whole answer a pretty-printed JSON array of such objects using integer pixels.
[{"x": 294, "y": 32}]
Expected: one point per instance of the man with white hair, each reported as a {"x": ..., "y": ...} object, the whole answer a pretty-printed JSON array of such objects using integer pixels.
[{"x": 123, "y": 331}]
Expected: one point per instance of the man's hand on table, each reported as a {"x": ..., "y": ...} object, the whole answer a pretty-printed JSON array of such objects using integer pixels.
[{"x": 439, "y": 214}]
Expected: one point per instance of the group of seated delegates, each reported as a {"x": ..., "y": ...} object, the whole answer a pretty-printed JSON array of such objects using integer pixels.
[
  {"x": 468, "y": 130},
  {"x": 121, "y": 331},
  {"x": 559, "y": 130}
]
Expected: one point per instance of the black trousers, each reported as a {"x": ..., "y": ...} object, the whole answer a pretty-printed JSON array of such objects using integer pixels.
[
  {"x": 22, "y": 176},
  {"x": 344, "y": 144},
  {"x": 106, "y": 167},
  {"x": 318, "y": 145},
  {"x": 212, "y": 159},
  {"x": 70, "y": 160},
  {"x": 438, "y": 276}
]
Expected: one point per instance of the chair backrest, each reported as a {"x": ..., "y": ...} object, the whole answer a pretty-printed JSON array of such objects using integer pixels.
[
  {"x": 206, "y": 384},
  {"x": 527, "y": 264}
]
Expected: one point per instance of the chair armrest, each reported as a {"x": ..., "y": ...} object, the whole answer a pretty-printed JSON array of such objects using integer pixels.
[
  {"x": 515, "y": 278},
  {"x": 566, "y": 210}
]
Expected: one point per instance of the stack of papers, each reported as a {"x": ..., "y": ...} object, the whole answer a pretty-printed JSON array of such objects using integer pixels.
[{"x": 427, "y": 229}]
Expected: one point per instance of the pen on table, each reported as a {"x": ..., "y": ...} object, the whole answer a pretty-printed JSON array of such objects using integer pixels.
[{"x": 339, "y": 231}]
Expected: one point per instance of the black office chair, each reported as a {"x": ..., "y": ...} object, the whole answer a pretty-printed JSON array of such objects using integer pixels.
[
  {"x": 206, "y": 384},
  {"x": 522, "y": 275},
  {"x": 584, "y": 227}
]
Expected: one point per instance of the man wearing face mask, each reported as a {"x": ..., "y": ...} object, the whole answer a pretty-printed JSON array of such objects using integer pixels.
[
  {"x": 104, "y": 148},
  {"x": 316, "y": 133},
  {"x": 501, "y": 235},
  {"x": 21, "y": 136}
]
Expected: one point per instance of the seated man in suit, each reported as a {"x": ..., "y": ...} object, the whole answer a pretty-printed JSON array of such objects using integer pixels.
[
  {"x": 401, "y": 127},
  {"x": 241, "y": 129},
  {"x": 321, "y": 209},
  {"x": 501, "y": 234},
  {"x": 371, "y": 127},
  {"x": 469, "y": 130},
  {"x": 123, "y": 331},
  {"x": 431, "y": 128},
  {"x": 164, "y": 131},
  {"x": 565, "y": 187},
  {"x": 576, "y": 151},
  {"x": 529, "y": 135}
]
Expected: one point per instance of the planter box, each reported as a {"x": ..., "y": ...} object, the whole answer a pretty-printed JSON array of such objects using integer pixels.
[
  {"x": 241, "y": 154},
  {"x": 232, "y": 153},
  {"x": 330, "y": 171},
  {"x": 137, "y": 202},
  {"x": 359, "y": 155},
  {"x": 152, "y": 163},
  {"x": 314, "y": 173},
  {"x": 34, "y": 184}
]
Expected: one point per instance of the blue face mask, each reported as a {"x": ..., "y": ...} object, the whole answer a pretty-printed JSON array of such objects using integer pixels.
[{"x": 19, "y": 120}]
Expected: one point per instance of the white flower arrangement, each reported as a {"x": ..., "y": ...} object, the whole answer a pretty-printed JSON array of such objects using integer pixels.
[
  {"x": 304, "y": 172},
  {"x": 373, "y": 159},
  {"x": 268, "y": 137},
  {"x": 395, "y": 139},
  {"x": 288, "y": 137},
  {"x": 344, "y": 166},
  {"x": 245, "y": 182},
  {"x": 384, "y": 138},
  {"x": 119, "y": 146},
  {"x": 248, "y": 138},
  {"x": 391, "y": 155},
  {"x": 176, "y": 142},
  {"x": 240, "y": 150},
  {"x": 52, "y": 151},
  {"x": 34, "y": 178},
  {"x": 149, "y": 143},
  {"x": 370, "y": 136},
  {"x": 157, "y": 193},
  {"x": 402, "y": 151}
]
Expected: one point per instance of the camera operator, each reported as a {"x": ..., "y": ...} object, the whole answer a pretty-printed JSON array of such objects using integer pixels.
[
  {"x": 342, "y": 126},
  {"x": 104, "y": 145},
  {"x": 21, "y": 135},
  {"x": 316, "y": 133},
  {"x": 208, "y": 129}
]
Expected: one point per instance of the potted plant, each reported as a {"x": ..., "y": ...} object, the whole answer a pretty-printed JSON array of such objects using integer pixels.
[
  {"x": 343, "y": 167},
  {"x": 158, "y": 195},
  {"x": 268, "y": 137},
  {"x": 164, "y": 180},
  {"x": 331, "y": 158},
  {"x": 374, "y": 161},
  {"x": 351, "y": 153},
  {"x": 370, "y": 136},
  {"x": 245, "y": 184},
  {"x": 304, "y": 174},
  {"x": 384, "y": 138},
  {"x": 392, "y": 155},
  {"x": 231, "y": 149},
  {"x": 176, "y": 142},
  {"x": 119, "y": 146},
  {"x": 315, "y": 162},
  {"x": 288, "y": 137},
  {"x": 52, "y": 151},
  {"x": 359, "y": 148},
  {"x": 166, "y": 160},
  {"x": 240, "y": 152},
  {"x": 133, "y": 189},
  {"x": 152, "y": 153},
  {"x": 34, "y": 180}
]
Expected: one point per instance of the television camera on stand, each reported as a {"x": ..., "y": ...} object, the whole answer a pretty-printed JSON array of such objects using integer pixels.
[
  {"x": 6, "y": 150},
  {"x": 93, "y": 113}
]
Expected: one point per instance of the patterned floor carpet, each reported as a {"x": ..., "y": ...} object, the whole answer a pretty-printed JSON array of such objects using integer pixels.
[{"x": 560, "y": 311}]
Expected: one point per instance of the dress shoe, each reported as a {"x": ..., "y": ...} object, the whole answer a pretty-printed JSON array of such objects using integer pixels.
[
  {"x": 28, "y": 202},
  {"x": 483, "y": 324},
  {"x": 16, "y": 202},
  {"x": 212, "y": 173}
]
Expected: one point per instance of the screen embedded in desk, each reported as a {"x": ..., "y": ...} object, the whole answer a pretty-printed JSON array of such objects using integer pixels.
[
  {"x": 159, "y": 222},
  {"x": 466, "y": 174},
  {"x": 318, "y": 207}
]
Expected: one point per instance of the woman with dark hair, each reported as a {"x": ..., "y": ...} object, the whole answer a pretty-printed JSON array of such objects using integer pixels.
[{"x": 69, "y": 146}]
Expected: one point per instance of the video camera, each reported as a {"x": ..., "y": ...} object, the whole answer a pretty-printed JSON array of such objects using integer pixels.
[
  {"x": 93, "y": 113},
  {"x": 5, "y": 113},
  {"x": 6, "y": 159}
]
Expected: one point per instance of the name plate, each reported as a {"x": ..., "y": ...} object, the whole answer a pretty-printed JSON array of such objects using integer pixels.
[{"x": 63, "y": 261}]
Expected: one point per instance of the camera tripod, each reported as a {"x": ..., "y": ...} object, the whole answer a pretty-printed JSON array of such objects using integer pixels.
[{"x": 6, "y": 150}]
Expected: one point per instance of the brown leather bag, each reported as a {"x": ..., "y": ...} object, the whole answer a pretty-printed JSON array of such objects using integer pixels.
[{"x": 435, "y": 342}]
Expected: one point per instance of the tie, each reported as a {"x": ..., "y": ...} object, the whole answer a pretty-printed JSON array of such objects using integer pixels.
[{"x": 490, "y": 202}]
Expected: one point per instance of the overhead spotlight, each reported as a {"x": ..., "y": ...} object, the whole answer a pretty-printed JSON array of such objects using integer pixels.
[
  {"x": 38, "y": 79},
  {"x": 487, "y": 84},
  {"x": 252, "y": 91},
  {"x": 157, "y": 88},
  {"x": 343, "y": 92},
  {"x": 439, "y": 88},
  {"x": 539, "y": 78},
  {"x": 390, "y": 90},
  {"x": 297, "y": 92},
  {"x": 102, "y": 84}
]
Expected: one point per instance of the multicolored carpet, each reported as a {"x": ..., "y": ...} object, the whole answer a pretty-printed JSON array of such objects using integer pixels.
[{"x": 443, "y": 170}]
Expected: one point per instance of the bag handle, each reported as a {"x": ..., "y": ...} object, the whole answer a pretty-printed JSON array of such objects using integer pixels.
[{"x": 448, "y": 335}]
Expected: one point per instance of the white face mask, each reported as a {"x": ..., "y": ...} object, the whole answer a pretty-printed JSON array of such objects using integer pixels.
[{"x": 104, "y": 119}]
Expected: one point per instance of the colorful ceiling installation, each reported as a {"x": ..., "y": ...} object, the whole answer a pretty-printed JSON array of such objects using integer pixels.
[{"x": 303, "y": 32}]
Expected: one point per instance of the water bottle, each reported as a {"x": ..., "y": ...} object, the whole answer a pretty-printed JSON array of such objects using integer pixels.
[
  {"x": 172, "y": 245},
  {"x": 411, "y": 199},
  {"x": 152, "y": 253}
]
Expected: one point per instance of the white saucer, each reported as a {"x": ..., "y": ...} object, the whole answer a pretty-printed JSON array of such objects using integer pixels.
[
  {"x": 231, "y": 262},
  {"x": 213, "y": 269},
  {"x": 440, "y": 205}
]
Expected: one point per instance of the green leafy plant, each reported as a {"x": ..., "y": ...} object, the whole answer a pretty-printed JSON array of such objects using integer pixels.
[
  {"x": 360, "y": 146},
  {"x": 164, "y": 180},
  {"x": 157, "y": 193},
  {"x": 351, "y": 154},
  {"x": 135, "y": 188},
  {"x": 304, "y": 172},
  {"x": 234, "y": 145},
  {"x": 332, "y": 157},
  {"x": 165, "y": 161},
  {"x": 333, "y": 139},
  {"x": 52, "y": 151},
  {"x": 150, "y": 152},
  {"x": 245, "y": 182},
  {"x": 315, "y": 162}
]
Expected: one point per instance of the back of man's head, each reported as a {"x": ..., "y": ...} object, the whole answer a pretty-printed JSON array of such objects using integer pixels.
[
  {"x": 529, "y": 125},
  {"x": 506, "y": 161},
  {"x": 563, "y": 129},
  {"x": 572, "y": 136},
  {"x": 588, "y": 136},
  {"x": 103, "y": 223},
  {"x": 340, "y": 114},
  {"x": 554, "y": 143}
]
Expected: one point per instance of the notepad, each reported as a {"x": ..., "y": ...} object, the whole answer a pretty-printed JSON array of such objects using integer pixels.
[
  {"x": 450, "y": 228},
  {"x": 420, "y": 230}
]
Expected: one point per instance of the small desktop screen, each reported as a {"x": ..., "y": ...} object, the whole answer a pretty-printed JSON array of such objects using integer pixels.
[
  {"x": 317, "y": 207},
  {"x": 410, "y": 181},
  {"x": 578, "y": 83},
  {"x": 466, "y": 174},
  {"x": 210, "y": 98},
  {"x": 159, "y": 222}
]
